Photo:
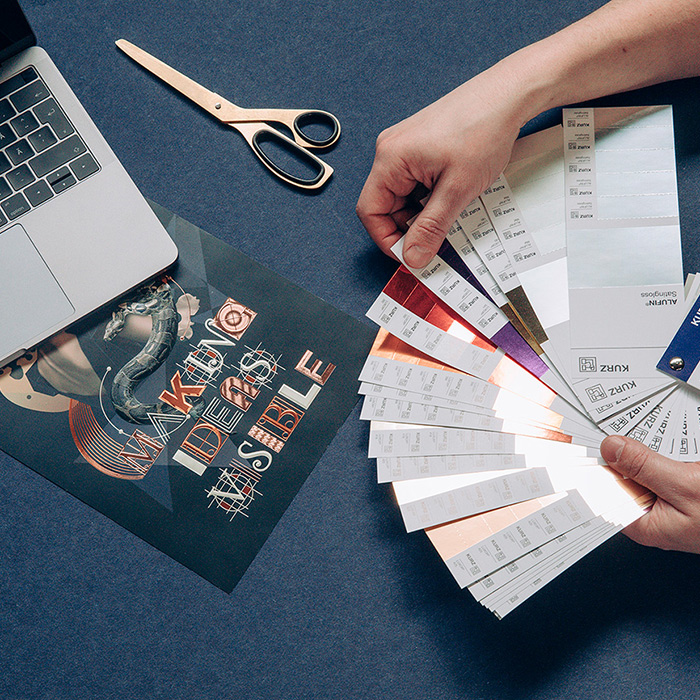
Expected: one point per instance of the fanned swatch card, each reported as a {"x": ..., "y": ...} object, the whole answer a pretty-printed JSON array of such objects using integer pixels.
[
  {"x": 501, "y": 365},
  {"x": 623, "y": 243}
]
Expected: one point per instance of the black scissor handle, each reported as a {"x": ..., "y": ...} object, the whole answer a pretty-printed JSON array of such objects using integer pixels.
[
  {"x": 259, "y": 136},
  {"x": 320, "y": 117}
]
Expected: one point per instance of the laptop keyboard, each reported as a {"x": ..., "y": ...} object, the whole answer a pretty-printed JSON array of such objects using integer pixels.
[{"x": 41, "y": 155}]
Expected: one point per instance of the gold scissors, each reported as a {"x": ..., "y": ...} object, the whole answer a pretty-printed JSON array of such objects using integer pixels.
[{"x": 251, "y": 123}]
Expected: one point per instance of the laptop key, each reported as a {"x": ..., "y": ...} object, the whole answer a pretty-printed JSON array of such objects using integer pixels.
[
  {"x": 6, "y": 110},
  {"x": 15, "y": 206},
  {"x": 56, "y": 156},
  {"x": 19, "y": 151},
  {"x": 5, "y": 164},
  {"x": 48, "y": 112},
  {"x": 7, "y": 136},
  {"x": 84, "y": 166},
  {"x": 38, "y": 193},
  {"x": 3, "y": 220},
  {"x": 42, "y": 139},
  {"x": 29, "y": 96},
  {"x": 24, "y": 123},
  {"x": 5, "y": 189},
  {"x": 20, "y": 177},
  {"x": 61, "y": 180}
]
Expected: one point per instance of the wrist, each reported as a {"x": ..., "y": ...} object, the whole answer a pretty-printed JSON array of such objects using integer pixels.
[
  {"x": 532, "y": 82},
  {"x": 514, "y": 90}
]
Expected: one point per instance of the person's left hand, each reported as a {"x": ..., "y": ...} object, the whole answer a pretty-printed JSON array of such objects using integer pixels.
[{"x": 674, "y": 520}]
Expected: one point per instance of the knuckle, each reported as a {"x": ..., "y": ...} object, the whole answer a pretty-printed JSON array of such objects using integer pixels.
[
  {"x": 454, "y": 187},
  {"x": 461, "y": 192},
  {"x": 382, "y": 142},
  {"x": 392, "y": 143},
  {"x": 430, "y": 229}
]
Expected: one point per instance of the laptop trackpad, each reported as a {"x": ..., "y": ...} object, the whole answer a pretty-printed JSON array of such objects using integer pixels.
[{"x": 31, "y": 300}]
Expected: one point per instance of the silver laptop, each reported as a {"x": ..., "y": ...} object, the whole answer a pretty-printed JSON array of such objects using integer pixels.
[{"x": 75, "y": 232}]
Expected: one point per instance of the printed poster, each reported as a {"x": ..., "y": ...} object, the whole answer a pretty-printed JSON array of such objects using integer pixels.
[{"x": 191, "y": 411}]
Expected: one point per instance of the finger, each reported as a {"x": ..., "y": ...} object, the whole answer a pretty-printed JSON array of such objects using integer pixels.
[
  {"x": 675, "y": 482},
  {"x": 402, "y": 217},
  {"x": 428, "y": 231},
  {"x": 380, "y": 225},
  {"x": 383, "y": 194},
  {"x": 396, "y": 227}
]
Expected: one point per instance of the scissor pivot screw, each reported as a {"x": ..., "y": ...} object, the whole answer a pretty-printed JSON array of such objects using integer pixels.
[
  {"x": 676, "y": 364},
  {"x": 217, "y": 105}
]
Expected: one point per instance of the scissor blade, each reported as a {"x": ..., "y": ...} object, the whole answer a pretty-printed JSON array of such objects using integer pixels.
[{"x": 206, "y": 99}]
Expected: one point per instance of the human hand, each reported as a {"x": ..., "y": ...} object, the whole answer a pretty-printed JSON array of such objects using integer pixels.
[
  {"x": 674, "y": 520},
  {"x": 455, "y": 147}
]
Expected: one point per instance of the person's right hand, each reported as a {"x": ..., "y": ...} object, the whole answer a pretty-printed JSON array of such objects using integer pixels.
[{"x": 455, "y": 147}]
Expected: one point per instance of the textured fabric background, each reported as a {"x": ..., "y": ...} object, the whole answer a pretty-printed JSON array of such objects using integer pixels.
[{"x": 340, "y": 602}]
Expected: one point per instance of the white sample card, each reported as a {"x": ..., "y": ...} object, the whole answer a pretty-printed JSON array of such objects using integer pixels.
[
  {"x": 407, "y": 440},
  {"x": 376, "y": 408},
  {"x": 426, "y": 502},
  {"x": 596, "y": 493},
  {"x": 586, "y": 538},
  {"x": 526, "y": 205},
  {"x": 463, "y": 246},
  {"x": 413, "y": 374},
  {"x": 623, "y": 239},
  {"x": 508, "y": 406},
  {"x": 457, "y": 292},
  {"x": 402, "y": 468},
  {"x": 446, "y": 346},
  {"x": 478, "y": 228}
]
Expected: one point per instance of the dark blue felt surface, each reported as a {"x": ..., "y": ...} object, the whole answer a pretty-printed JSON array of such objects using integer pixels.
[{"x": 340, "y": 603}]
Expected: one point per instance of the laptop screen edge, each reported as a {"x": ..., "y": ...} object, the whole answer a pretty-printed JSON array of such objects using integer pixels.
[{"x": 16, "y": 35}]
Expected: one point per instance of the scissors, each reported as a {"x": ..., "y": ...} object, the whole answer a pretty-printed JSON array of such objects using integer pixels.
[{"x": 251, "y": 123}]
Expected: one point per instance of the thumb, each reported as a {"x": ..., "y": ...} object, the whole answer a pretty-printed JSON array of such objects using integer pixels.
[
  {"x": 428, "y": 231},
  {"x": 667, "y": 478}
]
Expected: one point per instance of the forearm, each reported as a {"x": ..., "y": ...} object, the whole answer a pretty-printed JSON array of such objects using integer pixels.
[
  {"x": 624, "y": 45},
  {"x": 457, "y": 146}
]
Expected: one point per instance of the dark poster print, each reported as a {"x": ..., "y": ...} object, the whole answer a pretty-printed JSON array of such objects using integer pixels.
[{"x": 191, "y": 411}]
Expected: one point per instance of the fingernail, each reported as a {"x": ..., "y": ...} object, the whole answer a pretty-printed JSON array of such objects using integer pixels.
[
  {"x": 417, "y": 256},
  {"x": 611, "y": 448}
]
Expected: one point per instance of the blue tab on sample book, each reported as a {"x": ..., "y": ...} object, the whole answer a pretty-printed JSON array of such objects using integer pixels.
[{"x": 682, "y": 356}]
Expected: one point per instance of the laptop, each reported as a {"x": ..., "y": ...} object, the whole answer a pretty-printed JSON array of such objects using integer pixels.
[{"x": 75, "y": 233}]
